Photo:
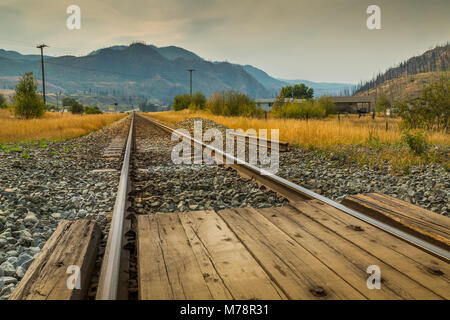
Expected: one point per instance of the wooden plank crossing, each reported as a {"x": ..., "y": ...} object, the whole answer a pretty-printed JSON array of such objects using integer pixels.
[
  {"x": 74, "y": 243},
  {"x": 307, "y": 250},
  {"x": 412, "y": 219}
]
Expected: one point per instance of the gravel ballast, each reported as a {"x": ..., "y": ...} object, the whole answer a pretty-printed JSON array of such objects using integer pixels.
[
  {"x": 55, "y": 183},
  {"x": 427, "y": 186},
  {"x": 162, "y": 186}
]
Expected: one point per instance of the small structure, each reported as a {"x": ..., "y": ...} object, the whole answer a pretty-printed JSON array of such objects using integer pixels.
[
  {"x": 348, "y": 104},
  {"x": 267, "y": 104},
  {"x": 353, "y": 104}
]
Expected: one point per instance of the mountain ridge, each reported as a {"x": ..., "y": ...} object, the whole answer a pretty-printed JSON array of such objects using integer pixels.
[{"x": 139, "y": 72}]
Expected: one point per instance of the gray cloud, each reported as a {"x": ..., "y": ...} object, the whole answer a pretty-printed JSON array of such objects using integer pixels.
[{"x": 324, "y": 40}]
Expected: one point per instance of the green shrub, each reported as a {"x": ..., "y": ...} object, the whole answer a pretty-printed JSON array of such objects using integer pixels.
[
  {"x": 77, "y": 108},
  {"x": 233, "y": 103},
  {"x": 327, "y": 103},
  {"x": 181, "y": 101},
  {"x": 301, "y": 110},
  {"x": 431, "y": 110},
  {"x": 2, "y": 100},
  {"x": 68, "y": 101},
  {"x": 199, "y": 100},
  {"x": 415, "y": 141},
  {"x": 27, "y": 102},
  {"x": 92, "y": 110}
]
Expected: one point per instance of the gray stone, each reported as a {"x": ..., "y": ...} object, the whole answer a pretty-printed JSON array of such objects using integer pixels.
[
  {"x": 30, "y": 219},
  {"x": 7, "y": 269},
  {"x": 4, "y": 281}
]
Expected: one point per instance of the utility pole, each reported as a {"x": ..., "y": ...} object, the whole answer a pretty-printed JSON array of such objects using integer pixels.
[
  {"x": 42, "y": 46},
  {"x": 58, "y": 94},
  {"x": 190, "y": 78}
]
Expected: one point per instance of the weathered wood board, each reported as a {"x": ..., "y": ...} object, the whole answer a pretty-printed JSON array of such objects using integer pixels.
[
  {"x": 307, "y": 250},
  {"x": 412, "y": 219},
  {"x": 74, "y": 243}
]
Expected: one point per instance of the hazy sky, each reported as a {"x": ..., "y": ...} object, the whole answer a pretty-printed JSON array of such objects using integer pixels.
[{"x": 318, "y": 40}]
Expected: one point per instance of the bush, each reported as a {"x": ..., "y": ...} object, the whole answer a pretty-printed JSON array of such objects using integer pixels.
[
  {"x": 198, "y": 100},
  {"x": 2, "y": 99},
  {"x": 181, "y": 101},
  {"x": 68, "y": 101},
  {"x": 92, "y": 110},
  {"x": 232, "y": 103},
  {"x": 302, "y": 110},
  {"x": 328, "y": 104},
  {"x": 27, "y": 102},
  {"x": 431, "y": 110},
  {"x": 415, "y": 141},
  {"x": 383, "y": 104},
  {"x": 77, "y": 108}
]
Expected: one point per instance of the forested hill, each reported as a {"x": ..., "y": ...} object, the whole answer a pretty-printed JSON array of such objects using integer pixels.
[
  {"x": 140, "y": 72},
  {"x": 434, "y": 60},
  {"x": 132, "y": 73}
]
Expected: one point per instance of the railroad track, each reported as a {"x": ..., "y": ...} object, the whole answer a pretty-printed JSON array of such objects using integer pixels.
[{"x": 127, "y": 243}]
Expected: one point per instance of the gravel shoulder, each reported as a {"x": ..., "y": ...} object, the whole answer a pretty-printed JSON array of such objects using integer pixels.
[
  {"x": 427, "y": 186},
  {"x": 55, "y": 183}
]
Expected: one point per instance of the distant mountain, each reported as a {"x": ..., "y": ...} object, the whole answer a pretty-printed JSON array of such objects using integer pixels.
[
  {"x": 323, "y": 88},
  {"x": 173, "y": 53},
  {"x": 170, "y": 52},
  {"x": 13, "y": 55},
  {"x": 273, "y": 84},
  {"x": 136, "y": 73},
  {"x": 263, "y": 78},
  {"x": 139, "y": 72}
]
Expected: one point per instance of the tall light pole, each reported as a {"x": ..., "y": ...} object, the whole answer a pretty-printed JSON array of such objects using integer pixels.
[
  {"x": 190, "y": 80},
  {"x": 42, "y": 46}
]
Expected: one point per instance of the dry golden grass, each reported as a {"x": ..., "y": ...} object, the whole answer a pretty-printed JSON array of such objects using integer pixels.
[
  {"x": 331, "y": 137},
  {"x": 314, "y": 133},
  {"x": 53, "y": 126}
]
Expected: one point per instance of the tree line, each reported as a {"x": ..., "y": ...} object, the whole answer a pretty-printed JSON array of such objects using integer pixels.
[
  {"x": 27, "y": 103},
  {"x": 234, "y": 103}
]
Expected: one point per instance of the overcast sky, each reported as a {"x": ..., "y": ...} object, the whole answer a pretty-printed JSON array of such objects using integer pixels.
[{"x": 319, "y": 40}]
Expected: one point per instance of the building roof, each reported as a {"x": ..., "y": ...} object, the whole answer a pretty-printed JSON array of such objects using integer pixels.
[
  {"x": 273, "y": 100},
  {"x": 340, "y": 99},
  {"x": 352, "y": 99}
]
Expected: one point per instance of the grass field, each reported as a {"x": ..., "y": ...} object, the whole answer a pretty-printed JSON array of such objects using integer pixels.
[
  {"x": 53, "y": 126},
  {"x": 314, "y": 133},
  {"x": 376, "y": 146}
]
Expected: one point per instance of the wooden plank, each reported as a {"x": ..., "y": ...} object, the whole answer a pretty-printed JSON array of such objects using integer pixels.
[
  {"x": 74, "y": 243},
  {"x": 167, "y": 266},
  {"x": 224, "y": 261},
  {"x": 296, "y": 271},
  {"x": 429, "y": 271},
  {"x": 255, "y": 140},
  {"x": 346, "y": 259},
  {"x": 412, "y": 219}
]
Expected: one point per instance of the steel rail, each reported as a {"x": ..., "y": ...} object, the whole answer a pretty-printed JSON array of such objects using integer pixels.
[
  {"x": 279, "y": 180},
  {"x": 109, "y": 274}
]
